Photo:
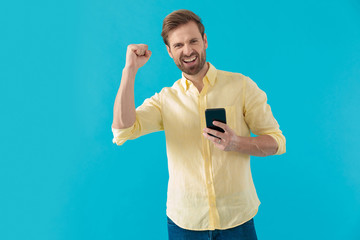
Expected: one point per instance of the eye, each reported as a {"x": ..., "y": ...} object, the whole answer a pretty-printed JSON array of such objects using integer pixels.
[
  {"x": 194, "y": 41},
  {"x": 177, "y": 45}
]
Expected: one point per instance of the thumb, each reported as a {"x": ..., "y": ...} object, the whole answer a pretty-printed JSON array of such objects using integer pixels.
[{"x": 148, "y": 53}]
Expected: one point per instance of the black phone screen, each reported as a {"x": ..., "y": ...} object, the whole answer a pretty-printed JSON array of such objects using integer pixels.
[{"x": 215, "y": 114}]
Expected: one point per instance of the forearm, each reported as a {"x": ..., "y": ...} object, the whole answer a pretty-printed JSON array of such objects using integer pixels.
[
  {"x": 124, "y": 106},
  {"x": 262, "y": 146}
]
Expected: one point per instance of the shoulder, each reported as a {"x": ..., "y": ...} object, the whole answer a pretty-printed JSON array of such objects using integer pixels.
[
  {"x": 234, "y": 78},
  {"x": 175, "y": 88}
]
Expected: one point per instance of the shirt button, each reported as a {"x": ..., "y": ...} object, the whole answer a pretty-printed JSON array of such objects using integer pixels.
[{"x": 209, "y": 182}]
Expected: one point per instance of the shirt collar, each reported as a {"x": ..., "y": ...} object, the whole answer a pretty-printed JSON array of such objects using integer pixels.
[{"x": 210, "y": 76}]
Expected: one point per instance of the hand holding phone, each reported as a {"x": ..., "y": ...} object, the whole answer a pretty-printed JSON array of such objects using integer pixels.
[{"x": 215, "y": 114}]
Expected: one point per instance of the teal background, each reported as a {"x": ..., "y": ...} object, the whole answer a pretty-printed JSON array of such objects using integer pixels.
[{"x": 61, "y": 62}]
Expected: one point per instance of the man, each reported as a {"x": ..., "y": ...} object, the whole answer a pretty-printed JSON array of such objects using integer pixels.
[{"x": 210, "y": 189}]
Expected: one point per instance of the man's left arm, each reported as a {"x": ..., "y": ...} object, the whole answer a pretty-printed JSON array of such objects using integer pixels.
[
  {"x": 259, "y": 118},
  {"x": 262, "y": 146}
]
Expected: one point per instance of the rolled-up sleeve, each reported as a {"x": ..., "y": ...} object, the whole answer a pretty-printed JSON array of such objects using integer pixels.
[
  {"x": 148, "y": 120},
  {"x": 259, "y": 117}
]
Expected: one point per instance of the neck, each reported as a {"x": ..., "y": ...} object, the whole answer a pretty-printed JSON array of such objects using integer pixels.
[{"x": 198, "y": 78}]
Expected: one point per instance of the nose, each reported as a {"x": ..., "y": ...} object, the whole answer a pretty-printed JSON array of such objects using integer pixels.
[{"x": 187, "y": 50}]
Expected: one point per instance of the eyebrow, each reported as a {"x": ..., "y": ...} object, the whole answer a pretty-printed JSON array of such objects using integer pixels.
[
  {"x": 175, "y": 44},
  {"x": 195, "y": 38}
]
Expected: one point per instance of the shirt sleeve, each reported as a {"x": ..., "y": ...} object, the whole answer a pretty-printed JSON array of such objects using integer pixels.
[
  {"x": 259, "y": 117},
  {"x": 148, "y": 120}
]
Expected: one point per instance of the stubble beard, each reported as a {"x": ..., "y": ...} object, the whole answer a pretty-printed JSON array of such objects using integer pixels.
[{"x": 194, "y": 69}]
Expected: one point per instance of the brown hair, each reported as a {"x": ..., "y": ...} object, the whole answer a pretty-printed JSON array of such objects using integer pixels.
[{"x": 177, "y": 18}]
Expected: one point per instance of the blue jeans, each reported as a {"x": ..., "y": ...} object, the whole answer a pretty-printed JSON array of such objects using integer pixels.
[{"x": 245, "y": 231}]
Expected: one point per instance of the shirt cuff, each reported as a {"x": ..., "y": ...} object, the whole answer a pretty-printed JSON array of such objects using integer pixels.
[
  {"x": 280, "y": 139},
  {"x": 121, "y": 135}
]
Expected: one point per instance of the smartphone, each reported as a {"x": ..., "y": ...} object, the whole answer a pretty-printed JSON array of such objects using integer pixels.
[{"x": 215, "y": 114}]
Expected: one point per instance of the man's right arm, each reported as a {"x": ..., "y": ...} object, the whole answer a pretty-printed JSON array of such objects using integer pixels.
[{"x": 124, "y": 107}]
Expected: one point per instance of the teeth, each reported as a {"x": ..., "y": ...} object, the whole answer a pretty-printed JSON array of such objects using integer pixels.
[{"x": 190, "y": 60}]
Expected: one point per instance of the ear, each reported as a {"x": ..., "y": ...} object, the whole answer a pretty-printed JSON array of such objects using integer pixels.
[
  {"x": 205, "y": 41},
  {"x": 169, "y": 51}
]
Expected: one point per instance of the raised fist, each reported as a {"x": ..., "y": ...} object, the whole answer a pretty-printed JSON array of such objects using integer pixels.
[{"x": 137, "y": 55}]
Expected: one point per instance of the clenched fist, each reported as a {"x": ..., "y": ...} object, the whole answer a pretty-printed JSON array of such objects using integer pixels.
[{"x": 137, "y": 55}]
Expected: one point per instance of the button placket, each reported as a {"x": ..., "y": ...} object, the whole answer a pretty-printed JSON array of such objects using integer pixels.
[{"x": 213, "y": 213}]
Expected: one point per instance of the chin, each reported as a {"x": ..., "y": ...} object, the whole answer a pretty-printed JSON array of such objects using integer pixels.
[{"x": 190, "y": 71}]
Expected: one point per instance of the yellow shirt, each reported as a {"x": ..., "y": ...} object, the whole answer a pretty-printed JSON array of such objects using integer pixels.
[{"x": 208, "y": 188}]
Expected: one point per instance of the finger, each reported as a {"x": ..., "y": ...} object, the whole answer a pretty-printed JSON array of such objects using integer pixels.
[
  {"x": 142, "y": 49},
  {"x": 214, "y": 132},
  {"x": 140, "y": 52},
  {"x": 216, "y": 141},
  {"x": 133, "y": 47},
  {"x": 212, "y": 139},
  {"x": 143, "y": 46},
  {"x": 221, "y": 125},
  {"x": 138, "y": 49},
  {"x": 148, "y": 53}
]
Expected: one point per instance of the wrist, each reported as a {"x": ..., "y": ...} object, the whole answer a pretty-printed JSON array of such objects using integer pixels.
[
  {"x": 128, "y": 69},
  {"x": 128, "y": 74},
  {"x": 239, "y": 143}
]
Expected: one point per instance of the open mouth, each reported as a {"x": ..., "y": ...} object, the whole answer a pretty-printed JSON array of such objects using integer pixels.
[{"x": 190, "y": 59}]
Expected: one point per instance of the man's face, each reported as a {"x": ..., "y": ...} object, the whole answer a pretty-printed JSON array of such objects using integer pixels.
[{"x": 187, "y": 48}]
